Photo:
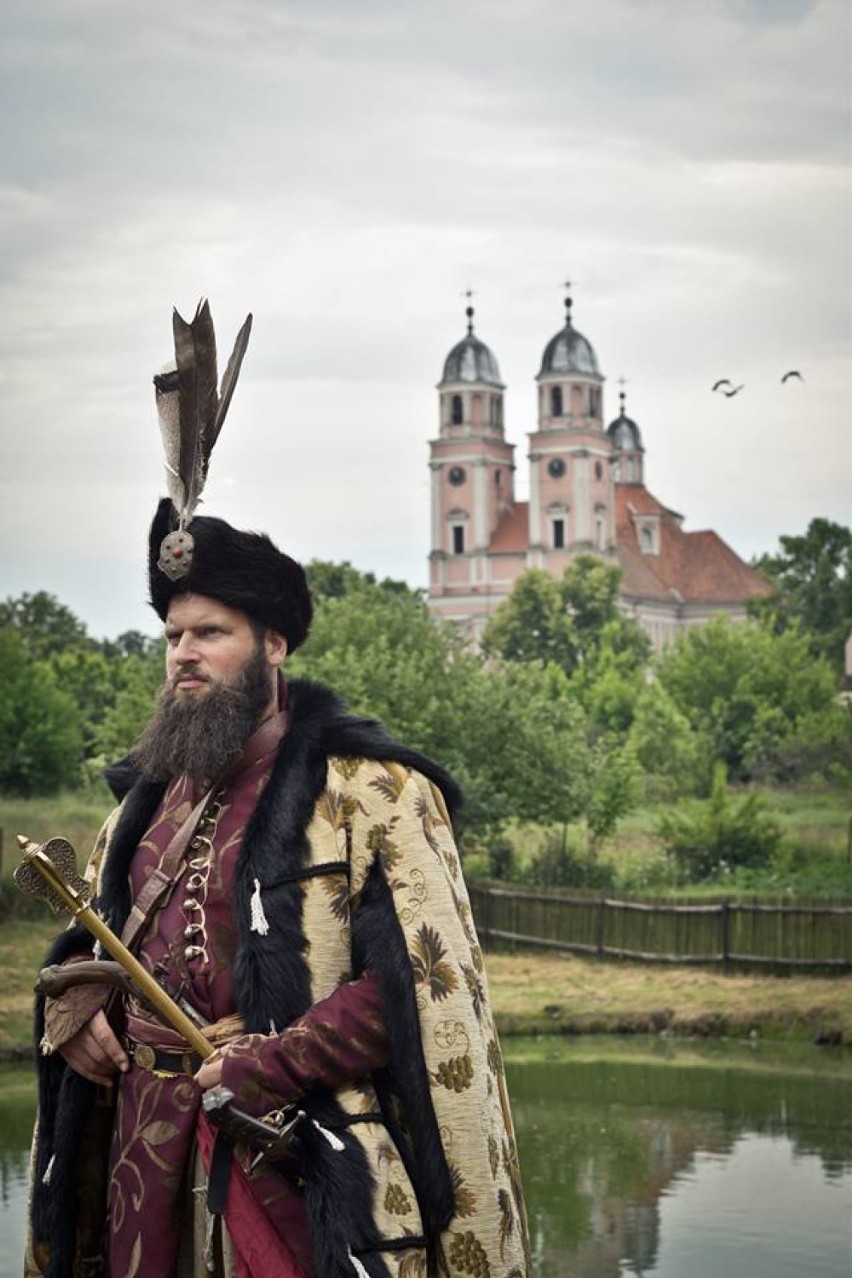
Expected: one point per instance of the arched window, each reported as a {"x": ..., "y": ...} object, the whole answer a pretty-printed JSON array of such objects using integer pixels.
[
  {"x": 458, "y": 539},
  {"x": 594, "y": 401},
  {"x": 598, "y": 471},
  {"x": 456, "y": 410},
  {"x": 558, "y": 526},
  {"x": 556, "y": 401}
]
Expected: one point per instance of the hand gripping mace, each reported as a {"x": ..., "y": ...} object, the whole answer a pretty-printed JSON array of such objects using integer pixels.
[{"x": 48, "y": 872}]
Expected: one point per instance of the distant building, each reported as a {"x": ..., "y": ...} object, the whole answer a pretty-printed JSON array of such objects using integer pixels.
[{"x": 587, "y": 495}]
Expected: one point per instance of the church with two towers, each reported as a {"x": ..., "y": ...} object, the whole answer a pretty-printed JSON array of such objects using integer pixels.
[{"x": 587, "y": 495}]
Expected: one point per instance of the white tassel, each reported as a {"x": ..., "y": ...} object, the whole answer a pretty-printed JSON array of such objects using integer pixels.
[
  {"x": 334, "y": 1141},
  {"x": 358, "y": 1267},
  {"x": 258, "y": 918},
  {"x": 273, "y": 1028},
  {"x": 48, "y": 1171}
]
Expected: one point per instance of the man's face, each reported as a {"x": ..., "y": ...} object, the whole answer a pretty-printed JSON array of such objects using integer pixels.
[
  {"x": 208, "y": 643},
  {"x": 220, "y": 685}
]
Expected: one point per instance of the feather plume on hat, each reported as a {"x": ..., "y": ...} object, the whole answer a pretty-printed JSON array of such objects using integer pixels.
[{"x": 192, "y": 408}]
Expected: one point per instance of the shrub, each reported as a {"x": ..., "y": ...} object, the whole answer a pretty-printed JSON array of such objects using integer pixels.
[{"x": 711, "y": 838}]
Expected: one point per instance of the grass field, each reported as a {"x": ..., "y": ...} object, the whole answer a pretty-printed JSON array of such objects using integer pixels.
[
  {"x": 815, "y": 857},
  {"x": 555, "y": 994}
]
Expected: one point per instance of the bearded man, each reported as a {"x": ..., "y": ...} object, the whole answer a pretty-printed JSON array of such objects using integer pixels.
[{"x": 288, "y": 872}]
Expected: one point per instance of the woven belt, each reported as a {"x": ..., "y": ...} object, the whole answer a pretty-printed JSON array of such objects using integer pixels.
[{"x": 163, "y": 1064}]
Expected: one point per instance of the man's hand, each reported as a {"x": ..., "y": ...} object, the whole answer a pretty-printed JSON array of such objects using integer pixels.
[
  {"x": 95, "y": 1052},
  {"x": 210, "y": 1074}
]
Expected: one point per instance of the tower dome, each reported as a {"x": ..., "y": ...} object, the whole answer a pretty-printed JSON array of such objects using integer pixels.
[
  {"x": 627, "y": 448},
  {"x": 625, "y": 434},
  {"x": 471, "y": 360},
  {"x": 569, "y": 351}
]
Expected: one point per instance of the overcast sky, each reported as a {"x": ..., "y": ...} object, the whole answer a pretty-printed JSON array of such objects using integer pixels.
[{"x": 345, "y": 169}]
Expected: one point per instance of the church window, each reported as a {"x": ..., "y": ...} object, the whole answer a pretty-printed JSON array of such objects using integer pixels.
[
  {"x": 497, "y": 478},
  {"x": 594, "y": 401},
  {"x": 556, "y": 468},
  {"x": 458, "y": 539},
  {"x": 556, "y": 401},
  {"x": 647, "y": 540},
  {"x": 558, "y": 526},
  {"x": 456, "y": 475},
  {"x": 598, "y": 471},
  {"x": 498, "y": 411},
  {"x": 456, "y": 411}
]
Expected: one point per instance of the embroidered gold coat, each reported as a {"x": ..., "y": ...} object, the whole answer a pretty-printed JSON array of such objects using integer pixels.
[{"x": 352, "y": 850}]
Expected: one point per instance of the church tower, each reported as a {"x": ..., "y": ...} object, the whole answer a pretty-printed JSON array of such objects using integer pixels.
[
  {"x": 472, "y": 468},
  {"x": 629, "y": 466},
  {"x": 572, "y": 495}
]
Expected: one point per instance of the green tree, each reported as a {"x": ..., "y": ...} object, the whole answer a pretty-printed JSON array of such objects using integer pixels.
[
  {"x": 532, "y": 624},
  {"x": 137, "y": 681},
  {"x": 331, "y": 581},
  {"x": 674, "y": 757},
  {"x": 92, "y": 683},
  {"x": 45, "y": 625},
  {"x": 726, "y": 676},
  {"x": 40, "y": 736},
  {"x": 566, "y": 621},
  {"x": 812, "y": 575},
  {"x": 131, "y": 643}
]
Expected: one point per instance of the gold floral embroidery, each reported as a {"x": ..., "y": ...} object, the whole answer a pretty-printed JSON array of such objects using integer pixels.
[
  {"x": 468, "y": 1255},
  {"x": 475, "y": 989},
  {"x": 391, "y": 783},
  {"x": 397, "y": 1201},
  {"x": 507, "y": 1220},
  {"x": 465, "y": 1198},
  {"x": 346, "y": 768},
  {"x": 429, "y": 966},
  {"x": 456, "y": 1074}
]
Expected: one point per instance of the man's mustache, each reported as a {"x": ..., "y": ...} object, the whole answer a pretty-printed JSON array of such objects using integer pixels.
[{"x": 188, "y": 672}]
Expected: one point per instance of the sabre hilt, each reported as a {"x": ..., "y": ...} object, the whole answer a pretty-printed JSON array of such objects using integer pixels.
[{"x": 278, "y": 1141}]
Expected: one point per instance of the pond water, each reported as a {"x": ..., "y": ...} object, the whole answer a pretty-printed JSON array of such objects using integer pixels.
[{"x": 642, "y": 1158}]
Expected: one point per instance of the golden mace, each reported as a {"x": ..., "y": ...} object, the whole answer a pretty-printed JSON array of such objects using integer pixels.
[{"x": 48, "y": 872}]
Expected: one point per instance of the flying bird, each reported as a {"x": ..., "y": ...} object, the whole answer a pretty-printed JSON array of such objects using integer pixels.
[
  {"x": 723, "y": 381},
  {"x": 794, "y": 372},
  {"x": 733, "y": 391}
]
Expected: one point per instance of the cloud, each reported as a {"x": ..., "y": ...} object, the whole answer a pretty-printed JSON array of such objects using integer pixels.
[{"x": 345, "y": 170}]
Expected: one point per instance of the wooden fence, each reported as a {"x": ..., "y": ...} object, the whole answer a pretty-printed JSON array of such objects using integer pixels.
[{"x": 735, "y": 933}]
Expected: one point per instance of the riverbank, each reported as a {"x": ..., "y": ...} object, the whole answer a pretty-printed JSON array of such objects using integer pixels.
[{"x": 555, "y": 994}]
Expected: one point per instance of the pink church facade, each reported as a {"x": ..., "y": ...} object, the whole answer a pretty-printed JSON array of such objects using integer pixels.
[{"x": 587, "y": 495}]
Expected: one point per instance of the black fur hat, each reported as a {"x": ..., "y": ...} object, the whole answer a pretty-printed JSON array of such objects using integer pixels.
[{"x": 241, "y": 569}]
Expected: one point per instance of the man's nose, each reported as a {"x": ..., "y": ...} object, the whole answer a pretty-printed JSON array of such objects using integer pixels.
[{"x": 185, "y": 650}]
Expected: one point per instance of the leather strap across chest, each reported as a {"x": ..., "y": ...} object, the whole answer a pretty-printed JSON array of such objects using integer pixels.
[{"x": 163, "y": 878}]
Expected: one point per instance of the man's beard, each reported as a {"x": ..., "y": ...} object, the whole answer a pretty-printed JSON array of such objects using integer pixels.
[{"x": 203, "y": 735}]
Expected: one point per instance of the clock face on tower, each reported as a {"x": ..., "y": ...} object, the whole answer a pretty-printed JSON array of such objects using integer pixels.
[
  {"x": 456, "y": 475},
  {"x": 556, "y": 468}
]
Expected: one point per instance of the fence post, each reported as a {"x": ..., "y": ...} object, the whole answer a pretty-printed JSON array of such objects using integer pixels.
[
  {"x": 600, "y": 925},
  {"x": 726, "y": 934}
]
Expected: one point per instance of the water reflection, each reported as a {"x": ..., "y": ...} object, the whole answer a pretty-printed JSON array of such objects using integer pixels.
[
  {"x": 669, "y": 1163},
  {"x": 650, "y": 1167}
]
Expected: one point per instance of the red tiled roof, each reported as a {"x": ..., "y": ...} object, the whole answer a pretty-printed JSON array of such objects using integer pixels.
[
  {"x": 699, "y": 566},
  {"x": 512, "y": 534}
]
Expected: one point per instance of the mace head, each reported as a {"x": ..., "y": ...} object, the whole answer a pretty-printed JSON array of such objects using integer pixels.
[{"x": 48, "y": 871}]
